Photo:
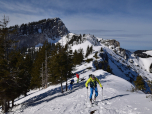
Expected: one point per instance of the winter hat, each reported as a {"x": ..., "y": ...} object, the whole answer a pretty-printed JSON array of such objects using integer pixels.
[{"x": 93, "y": 76}]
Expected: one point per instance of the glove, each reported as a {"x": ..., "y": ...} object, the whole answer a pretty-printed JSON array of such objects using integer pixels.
[
  {"x": 102, "y": 87},
  {"x": 87, "y": 87}
]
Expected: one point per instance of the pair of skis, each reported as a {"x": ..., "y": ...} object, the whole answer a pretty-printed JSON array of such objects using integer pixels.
[{"x": 94, "y": 102}]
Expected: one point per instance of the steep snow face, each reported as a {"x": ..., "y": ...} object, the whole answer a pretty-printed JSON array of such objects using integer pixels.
[{"x": 146, "y": 63}]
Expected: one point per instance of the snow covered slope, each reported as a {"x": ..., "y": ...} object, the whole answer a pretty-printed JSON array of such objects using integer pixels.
[
  {"x": 115, "y": 98},
  {"x": 146, "y": 62}
]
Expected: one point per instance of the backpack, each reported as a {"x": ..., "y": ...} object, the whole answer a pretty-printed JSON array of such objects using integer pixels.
[
  {"x": 72, "y": 81},
  {"x": 93, "y": 84}
]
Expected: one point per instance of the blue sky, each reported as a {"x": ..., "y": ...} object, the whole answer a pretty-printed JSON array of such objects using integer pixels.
[{"x": 127, "y": 21}]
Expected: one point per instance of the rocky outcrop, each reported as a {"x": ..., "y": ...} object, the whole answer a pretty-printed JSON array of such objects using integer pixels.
[
  {"x": 114, "y": 43},
  {"x": 140, "y": 53},
  {"x": 115, "y": 46},
  {"x": 122, "y": 52},
  {"x": 31, "y": 34}
]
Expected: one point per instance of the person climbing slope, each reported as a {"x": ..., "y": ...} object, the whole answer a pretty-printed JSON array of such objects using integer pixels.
[
  {"x": 71, "y": 84},
  {"x": 93, "y": 86},
  {"x": 77, "y": 75}
]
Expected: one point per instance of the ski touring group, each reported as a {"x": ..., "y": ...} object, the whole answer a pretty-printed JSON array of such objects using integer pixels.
[{"x": 93, "y": 87}]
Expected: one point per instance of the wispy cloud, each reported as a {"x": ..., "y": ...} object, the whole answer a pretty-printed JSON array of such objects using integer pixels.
[
  {"x": 120, "y": 19},
  {"x": 17, "y": 7}
]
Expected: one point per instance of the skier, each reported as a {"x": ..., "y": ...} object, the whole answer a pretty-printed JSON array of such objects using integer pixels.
[
  {"x": 93, "y": 86},
  {"x": 77, "y": 75},
  {"x": 71, "y": 84}
]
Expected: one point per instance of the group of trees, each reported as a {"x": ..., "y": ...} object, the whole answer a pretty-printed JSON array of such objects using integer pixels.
[
  {"x": 102, "y": 65},
  {"x": 139, "y": 84},
  {"x": 33, "y": 27},
  {"x": 89, "y": 51},
  {"x": 76, "y": 40},
  {"x": 59, "y": 66},
  {"x": 78, "y": 56},
  {"x": 14, "y": 69},
  {"x": 34, "y": 23},
  {"x": 20, "y": 72}
]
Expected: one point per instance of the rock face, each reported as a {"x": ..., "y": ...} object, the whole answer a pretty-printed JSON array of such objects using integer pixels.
[
  {"x": 115, "y": 46},
  {"x": 31, "y": 34},
  {"x": 114, "y": 43}
]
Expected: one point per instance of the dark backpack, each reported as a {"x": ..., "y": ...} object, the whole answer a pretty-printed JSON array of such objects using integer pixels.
[
  {"x": 93, "y": 84},
  {"x": 72, "y": 81}
]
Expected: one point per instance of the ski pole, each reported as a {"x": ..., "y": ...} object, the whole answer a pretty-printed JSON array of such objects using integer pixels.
[
  {"x": 87, "y": 94},
  {"x": 102, "y": 93}
]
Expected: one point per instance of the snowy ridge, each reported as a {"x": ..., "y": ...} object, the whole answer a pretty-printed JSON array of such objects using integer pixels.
[
  {"x": 127, "y": 67},
  {"x": 115, "y": 98}
]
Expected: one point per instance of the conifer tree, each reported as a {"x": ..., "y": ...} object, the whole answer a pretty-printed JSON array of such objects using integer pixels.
[
  {"x": 20, "y": 70},
  {"x": 60, "y": 65},
  {"x": 150, "y": 86},
  {"x": 109, "y": 69},
  {"x": 4, "y": 84},
  {"x": 6, "y": 81},
  {"x": 139, "y": 83},
  {"x": 27, "y": 66},
  {"x": 101, "y": 49},
  {"x": 91, "y": 49},
  {"x": 87, "y": 51},
  {"x": 80, "y": 38},
  {"x": 36, "y": 78},
  {"x": 75, "y": 55},
  {"x": 80, "y": 56}
]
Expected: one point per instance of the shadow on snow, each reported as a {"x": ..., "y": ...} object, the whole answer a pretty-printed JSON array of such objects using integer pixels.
[
  {"x": 56, "y": 93},
  {"x": 114, "y": 97}
]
